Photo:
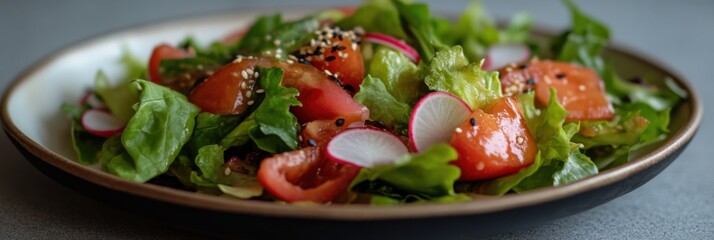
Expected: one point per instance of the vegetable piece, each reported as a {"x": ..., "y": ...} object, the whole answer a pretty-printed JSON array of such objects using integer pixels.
[
  {"x": 340, "y": 58},
  {"x": 451, "y": 72},
  {"x": 215, "y": 175},
  {"x": 426, "y": 176},
  {"x": 321, "y": 97},
  {"x": 383, "y": 107},
  {"x": 161, "y": 52},
  {"x": 501, "y": 55},
  {"x": 92, "y": 100},
  {"x": 320, "y": 132},
  {"x": 365, "y": 147},
  {"x": 579, "y": 89},
  {"x": 305, "y": 175},
  {"x": 417, "y": 23},
  {"x": 376, "y": 16},
  {"x": 393, "y": 43},
  {"x": 153, "y": 137},
  {"x": 231, "y": 89},
  {"x": 434, "y": 119},
  {"x": 86, "y": 145},
  {"x": 101, "y": 123},
  {"x": 399, "y": 75},
  {"x": 493, "y": 142}
]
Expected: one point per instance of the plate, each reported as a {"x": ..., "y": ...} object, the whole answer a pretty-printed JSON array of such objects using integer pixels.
[{"x": 31, "y": 119}]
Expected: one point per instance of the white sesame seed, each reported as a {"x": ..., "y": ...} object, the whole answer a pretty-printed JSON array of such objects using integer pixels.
[
  {"x": 359, "y": 30},
  {"x": 243, "y": 85},
  {"x": 458, "y": 130},
  {"x": 582, "y": 88},
  {"x": 300, "y": 137},
  {"x": 250, "y": 102},
  {"x": 235, "y": 74},
  {"x": 290, "y": 61},
  {"x": 354, "y": 46},
  {"x": 520, "y": 139},
  {"x": 345, "y": 55},
  {"x": 250, "y": 71},
  {"x": 480, "y": 166},
  {"x": 260, "y": 91},
  {"x": 256, "y": 75},
  {"x": 328, "y": 72},
  {"x": 248, "y": 94},
  {"x": 244, "y": 74},
  {"x": 227, "y": 171},
  {"x": 276, "y": 42}
]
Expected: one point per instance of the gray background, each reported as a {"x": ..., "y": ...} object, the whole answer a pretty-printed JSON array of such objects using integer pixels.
[{"x": 677, "y": 204}]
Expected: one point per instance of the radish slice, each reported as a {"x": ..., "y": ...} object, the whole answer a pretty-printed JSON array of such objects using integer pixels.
[
  {"x": 434, "y": 119},
  {"x": 93, "y": 101},
  {"x": 394, "y": 43},
  {"x": 101, "y": 123},
  {"x": 500, "y": 55},
  {"x": 365, "y": 147}
]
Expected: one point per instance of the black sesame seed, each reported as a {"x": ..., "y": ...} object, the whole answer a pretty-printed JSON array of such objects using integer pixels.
[
  {"x": 472, "y": 121},
  {"x": 340, "y": 47},
  {"x": 340, "y": 37},
  {"x": 530, "y": 81},
  {"x": 324, "y": 32},
  {"x": 339, "y": 122},
  {"x": 316, "y": 52},
  {"x": 334, "y": 48},
  {"x": 560, "y": 75},
  {"x": 330, "y": 58},
  {"x": 349, "y": 88},
  {"x": 522, "y": 66},
  {"x": 311, "y": 143},
  {"x": 334, "y": 78}
]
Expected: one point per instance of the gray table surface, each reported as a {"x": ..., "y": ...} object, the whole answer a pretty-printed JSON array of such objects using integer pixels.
[{"x": 677, "y": 204}]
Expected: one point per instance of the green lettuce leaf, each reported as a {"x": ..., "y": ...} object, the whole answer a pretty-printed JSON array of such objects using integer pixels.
[
  {"x": 271, "y": 126},
  {"x": 376, "y": 16},
  {"x": 270, "y": 33},
  {"x": 502, "y": 185},
  {"x": 398, "y": 74},
  {"x": 153, "y": 137},
  {"x": 254, "y": 39},
  {"x": 85, "y": 145},
  {"x": 213, "y": 175},
  {"x": 417, "y": 24},
  {"x": 210, "y": 129},
  {"x": 423, "y": 176},
  {"x": 120, "y": 98},
  {"x": 450, "y": 71},
  {"x": 382, "y": 105}
]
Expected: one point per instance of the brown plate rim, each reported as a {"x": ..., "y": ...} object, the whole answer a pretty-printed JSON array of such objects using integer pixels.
[{"x": 347, "y": 212}]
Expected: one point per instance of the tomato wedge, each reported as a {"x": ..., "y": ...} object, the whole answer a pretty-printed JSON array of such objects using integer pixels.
[
  {"x": 493, "y": 142},
  {"x": 225, "y": 92},
  {"x": 306, "y": 174},
  {"x": 336, "y": 52},
  {"x": 579, "y": 89},
  {"x": 161, "y": 52}
]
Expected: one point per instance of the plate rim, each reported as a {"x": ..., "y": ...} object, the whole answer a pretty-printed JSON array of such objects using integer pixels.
[{"x": 339, "y": 212}]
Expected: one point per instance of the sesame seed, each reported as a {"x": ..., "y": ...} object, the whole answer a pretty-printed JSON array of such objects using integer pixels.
[
  {"x": 330, "y": 58},
  {"x": 235, "y": 74},
  {"x": 244, "y": 74},
  {"x": 582, "y": 88},
  {"x": 560, "y": 76},
  {"x": 328, "y": 72},
  {"x": 276, "y": 42},
  {"x": 354, "y": 46},
  {"x": 227, "y": 171},
  {"x": 311, "y": 143},
  {"x": 480, "y": 166},
  {"x": 243, "y": 85},
  {"x": 248, "y": 94},
  {"x": 519, "y": 139},
  {"x": 339, "y": 122},
  {"x": 199, "y": 66},
  {"x": 359, "y": 30},
  {"x": 259, "y": 91},
  {"x": 472, "y": 121},
  {"x": 290, "y": 61},
  {"x": 522, "y": 66},
  {"x": 268, "y": 37},
  {"x": 249, "y": 71},
  {"x": 458, "y": 130},
  {"x": 256, "y": 75},
  {"x": 345, "y": 55},
  {"x": 300, "y": 138},
  {"x": 250, "y": 102}
]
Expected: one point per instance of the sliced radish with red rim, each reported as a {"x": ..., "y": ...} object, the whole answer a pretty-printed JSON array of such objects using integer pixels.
[
  {"x": 92, "y": 100},
  {"x": 101, "y": 123},
  {"x": 394, "y": 43},
  {"x": 500, "y": 55},
  {"x": 434, "y": 119},
  {"x": 365, "y": 147}
]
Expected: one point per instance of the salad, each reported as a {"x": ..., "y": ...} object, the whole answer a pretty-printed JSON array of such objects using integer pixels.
[{"x": 383, "y": 103}]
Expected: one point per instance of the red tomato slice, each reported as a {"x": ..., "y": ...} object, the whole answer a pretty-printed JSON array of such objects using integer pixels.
[
  {"x": 161, "y": 52},
  {"x": 223, "y": 92},
  {"x": 579, "y": 89},
  {"x": 335, "y": 53},
  {"x": 306, "y": 174},
  {"x": 495, "y": 143}
]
